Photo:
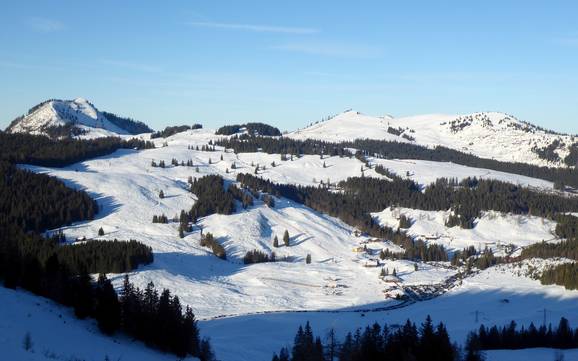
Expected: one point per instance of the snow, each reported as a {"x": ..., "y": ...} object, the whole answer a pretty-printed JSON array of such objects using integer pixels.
[
  {"x": 535, "y": 354},
  {"x": 79, "y": 112},
  {"x": 491, "y": 135},
  {"x": 425, "y": 172},
  {"x": 482, "y": 296},
  {"x": 272, "y": 299},
  {"x": 57, "y": 335},
  {"x": 492, "y": 229},
  {"x": 347, "y": 126}
]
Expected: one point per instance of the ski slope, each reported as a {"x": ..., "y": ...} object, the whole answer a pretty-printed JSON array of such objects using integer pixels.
[{"x": 342, "y": 279}]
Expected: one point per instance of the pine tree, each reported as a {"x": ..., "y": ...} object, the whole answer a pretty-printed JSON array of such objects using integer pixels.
[
  {"x": 27, "y": 343},
  {"x": 308, "y": 258},
  {"x": 276, "y": 242},
  {"x": 161, "y": 194},
  {"x": 286, "y": 238},
  {"x": 83, "y": 297},
  {"x": 107, "y": 311},
  {"x": 101, "y": 231}
]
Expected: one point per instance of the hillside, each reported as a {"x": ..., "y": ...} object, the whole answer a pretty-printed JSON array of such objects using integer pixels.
[
  {"x": 489, "y": 135},
  {"x": 56, "y": 334},
  {"x": 343, "y": 286},
  {"x": 78, "y": 117}
]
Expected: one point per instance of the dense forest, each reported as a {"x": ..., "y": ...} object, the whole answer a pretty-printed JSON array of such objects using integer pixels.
[
  {"x": 571, "y": 159},
  {"x": 260, "y": 129},
  {"x": 43, "y": 151},
  {"x": 513, "y": 338},
  {"x": 98, "y": 256},
  {"x": 563, "y": 275},
  {"x": 168, "y": 131},
  {"x": 36, "y": 202},
  {"x": 130, "y": 125},
  {"x": 211, "y": 197},
  {"x": 429, "y": 342},
  {"x": 395, "y": 150}
]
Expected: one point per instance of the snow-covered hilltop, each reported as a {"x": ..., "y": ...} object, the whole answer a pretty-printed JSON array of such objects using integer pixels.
[
  {"x": 78, "y": 117},
  {"x": 490, "y": 135}
]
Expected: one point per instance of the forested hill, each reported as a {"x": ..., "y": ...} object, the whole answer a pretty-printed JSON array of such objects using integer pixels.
[
  {"x": 395, "y": 150},
  {"x": 44, "y": 151}
]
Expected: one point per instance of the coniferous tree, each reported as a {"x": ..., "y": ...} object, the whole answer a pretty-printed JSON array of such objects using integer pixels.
[
  {"x": 276, "y": 242},
  {"x": 107, "y": 310}
]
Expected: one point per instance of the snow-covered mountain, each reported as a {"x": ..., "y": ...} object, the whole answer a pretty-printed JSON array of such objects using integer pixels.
[
  {"x": 230, "y": 297},
  {"x": 78, "y": 117},
  {"x": 490, "y": 135}
]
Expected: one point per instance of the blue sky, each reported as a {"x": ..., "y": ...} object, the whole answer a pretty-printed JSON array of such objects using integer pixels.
[{"x": 290, "y": 63}]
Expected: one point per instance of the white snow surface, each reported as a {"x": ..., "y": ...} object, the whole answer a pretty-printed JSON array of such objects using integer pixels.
[
  {"x": 495, "y": 295},
  {"x": 57, "y": 334},
  {"x": 79, "y": 112},
  {"x": 494, "y": 230},
  {"x": 425, "y": 172},
  {"x": 242, "y": 305},
  {"x": 491, "y": 135}
]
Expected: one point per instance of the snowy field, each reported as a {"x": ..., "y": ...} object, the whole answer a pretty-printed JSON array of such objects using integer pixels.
[
  {"x": 494, "y": 230},
  {"x": 495, "y": 296},
  {"x": 425, "y": 172},
  {"x": 232, "y": 298}
]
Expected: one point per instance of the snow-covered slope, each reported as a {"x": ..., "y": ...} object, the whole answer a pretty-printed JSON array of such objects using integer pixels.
[
  {"x": 348, "y": 126},
  {"x": 495, "y": 296},
  {"x": 56, "y": 334},
  {"x": 503, "y": 233},
  {"x": 490, "y": 135},
  {"x": 343, "y": 277},
  {"x": 78, "y": 113}
]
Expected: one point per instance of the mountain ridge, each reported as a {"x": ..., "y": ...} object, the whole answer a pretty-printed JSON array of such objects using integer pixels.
[{"x": 79, "y": 117}]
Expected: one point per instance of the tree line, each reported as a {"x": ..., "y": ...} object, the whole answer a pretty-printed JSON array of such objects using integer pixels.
[
  {"x": 429, "y": 342},
  {"x": 563, "y": 275},
  {"x": 251, "y": 128},
  {"x": 397, "y": 150},
  {"x": 43, "y": 151},
  {"x": 35, "y": 202},
  {"x": 172, "y": 130},
  {"x": 350, "y": 209},
  {"x": 130, "y": 125},
  {"x": 511, "y": 337},
  {"x": 31, "y": 203}
]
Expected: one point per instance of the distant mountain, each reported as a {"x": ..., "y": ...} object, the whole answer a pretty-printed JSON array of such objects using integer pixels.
[
  {"x": 64, "y": 118},
  {"x": 490, "y": 135}
]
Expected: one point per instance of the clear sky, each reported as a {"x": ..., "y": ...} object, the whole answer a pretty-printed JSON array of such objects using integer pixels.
[{"x": 292, "y": 62}]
